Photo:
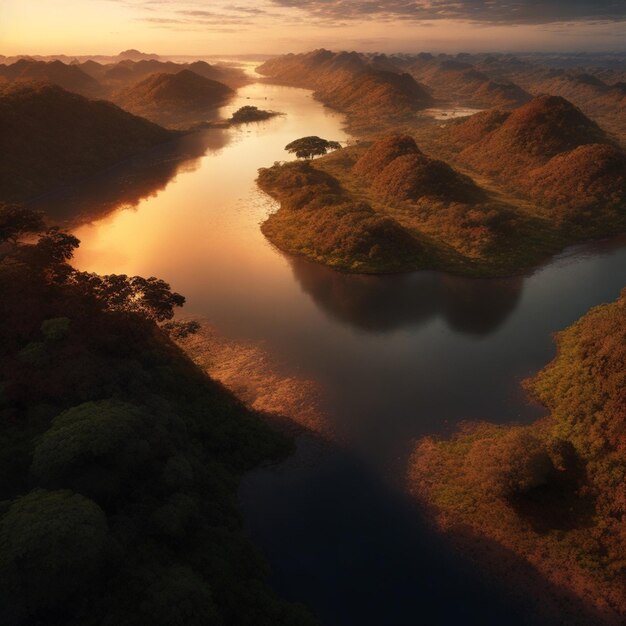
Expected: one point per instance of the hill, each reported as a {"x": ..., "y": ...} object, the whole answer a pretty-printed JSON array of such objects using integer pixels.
[
  {"x": 541, "y": 192},
  {"x": 542, "y": 505},
  {"x": 318, "y": 219},
  {"x": 54, "y": 136},
  {"x": 116, "y": 76},
  {"x": 396, "y": 169},
  {"x": 529, "y": 136},
  {"x": 549, "y": 152},
  {"x": 461, "y": 82},
  {"x": 70, "y": 77},
  {"x": 136, "y": 55},
  {"x": 174, "y": 99},
  {"x": 352, "y": 83},
  {"x": 448, "y": 221}
]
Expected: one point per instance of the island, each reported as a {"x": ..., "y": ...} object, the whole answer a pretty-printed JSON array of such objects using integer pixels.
[{"x": 248, "y": 114}]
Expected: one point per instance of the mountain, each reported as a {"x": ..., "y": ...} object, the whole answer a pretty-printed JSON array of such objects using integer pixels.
[
  {"x": 397, "y": 170},
  {"x": 69, "y": 77},
  {"x": 459, "y": 81},
  {"x": 135, "y": 55},
  {"x": 125, "y": 73},
  {"x": 169, "y": 98},
  {"x": 504, "y": 144},
  {"x": 549, "y": 151},
  {"x": 53, "y": 136},
  {"x": 352, "y": 83}
]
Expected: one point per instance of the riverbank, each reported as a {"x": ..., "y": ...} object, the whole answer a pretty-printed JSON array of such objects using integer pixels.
[{"x": 549, "y": 494}]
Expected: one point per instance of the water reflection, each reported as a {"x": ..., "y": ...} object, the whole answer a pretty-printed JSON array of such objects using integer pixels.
[
  {"x": 124, "y": 185},
  {"x": 379, "y": 304}
]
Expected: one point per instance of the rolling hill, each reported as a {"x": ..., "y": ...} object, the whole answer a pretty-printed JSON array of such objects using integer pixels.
[
  {"x": 54, "y": 136},
  {"x": 550, "y": 152},
  {"x": 461, "y": 82},
  {"x": 353, "y": 84},
  {"x": 69, "y": 77},
  {"x": 174, "y": 98}
]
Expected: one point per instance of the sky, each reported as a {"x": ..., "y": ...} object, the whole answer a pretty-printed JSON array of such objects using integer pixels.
[{"x": 197, "y": 27}]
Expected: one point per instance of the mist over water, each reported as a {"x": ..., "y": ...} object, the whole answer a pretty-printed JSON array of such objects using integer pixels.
[{"x": 399, "y": 357}]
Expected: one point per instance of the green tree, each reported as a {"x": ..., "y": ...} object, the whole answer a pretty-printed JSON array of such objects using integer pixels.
[
  {"x": 87, "y": 433},
  {"x": 309, "y": 147},
  {"x": 52, "y": 545}
]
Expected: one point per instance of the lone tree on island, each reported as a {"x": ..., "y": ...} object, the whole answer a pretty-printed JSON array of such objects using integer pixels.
[{"x": 308, "y": 147}]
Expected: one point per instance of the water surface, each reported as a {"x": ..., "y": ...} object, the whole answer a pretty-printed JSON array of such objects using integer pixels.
[{"x": 399, "y": 357}]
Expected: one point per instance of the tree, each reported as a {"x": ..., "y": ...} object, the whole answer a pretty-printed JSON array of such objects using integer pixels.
[
  {"x": 85, "y": 434},
  {"x": 151, "y": 297},
  {"x": 56, "y": 246},
  {"x": 250, "y": 113},
  {"x": 509, "y": 464},
  {"x": 17, "y": 221},
  {"x": 52, "y": 546},
  {"x": 308, "y": 147}
]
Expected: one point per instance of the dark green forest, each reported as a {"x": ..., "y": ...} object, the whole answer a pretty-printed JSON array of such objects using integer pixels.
[{"x": 119, "y": 459}]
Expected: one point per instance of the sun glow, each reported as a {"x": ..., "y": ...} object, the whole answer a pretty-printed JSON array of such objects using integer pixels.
[{"x": 194, "y": 27}]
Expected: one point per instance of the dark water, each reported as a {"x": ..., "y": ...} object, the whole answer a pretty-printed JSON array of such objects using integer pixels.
[
  {"x": 398, "y": 357},
  {"x": 415, "y": 354}
]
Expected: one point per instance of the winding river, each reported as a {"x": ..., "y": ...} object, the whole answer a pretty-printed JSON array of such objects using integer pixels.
[{"x": 398, "y": 357}]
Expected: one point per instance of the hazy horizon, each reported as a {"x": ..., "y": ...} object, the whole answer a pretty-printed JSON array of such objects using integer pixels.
[{"x": 196, "y": 28}]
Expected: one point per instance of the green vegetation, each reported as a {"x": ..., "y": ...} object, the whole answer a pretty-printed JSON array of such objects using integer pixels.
[
  {"x": 309, "y": 147},
  {"x": 119, "y": 458},
  {"x": 552, "y": 493}
]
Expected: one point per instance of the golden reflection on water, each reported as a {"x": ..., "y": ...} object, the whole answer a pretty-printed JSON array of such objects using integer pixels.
[{"x": 204, "y": 225}]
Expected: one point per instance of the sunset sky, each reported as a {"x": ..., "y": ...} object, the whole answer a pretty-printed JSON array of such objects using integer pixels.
[{"x": 267, "y": 26}]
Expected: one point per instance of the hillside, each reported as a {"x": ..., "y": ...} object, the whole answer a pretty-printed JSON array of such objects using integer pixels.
[
  {"x": 448, "y": 220},
  {"x": 585, "y": 185},
  {"x": 549, "y": 152},
  {"x": 120, "y": 459},
  {"x": 538, "y": 192},
  {"x": 116, "y": 76},
  {"x": 174, "y": 99},
  {"x": 542, "y": 505},
  {"x": 69, "y": 77},
  {"x": 370, "y": 96},
  {"x": 318, "y": 219},
  {"x": 529, "y": 136},
  {"x": 461, "y": 82},
  {"x": 54, "y": 136},
  {"x": 397, "y": 170}
]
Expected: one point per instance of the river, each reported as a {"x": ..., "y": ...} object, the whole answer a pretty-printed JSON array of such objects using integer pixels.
[{"x": 398, "y": 357}]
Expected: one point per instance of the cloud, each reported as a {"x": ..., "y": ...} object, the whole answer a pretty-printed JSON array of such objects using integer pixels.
[{"x": 480, "y": 11}]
